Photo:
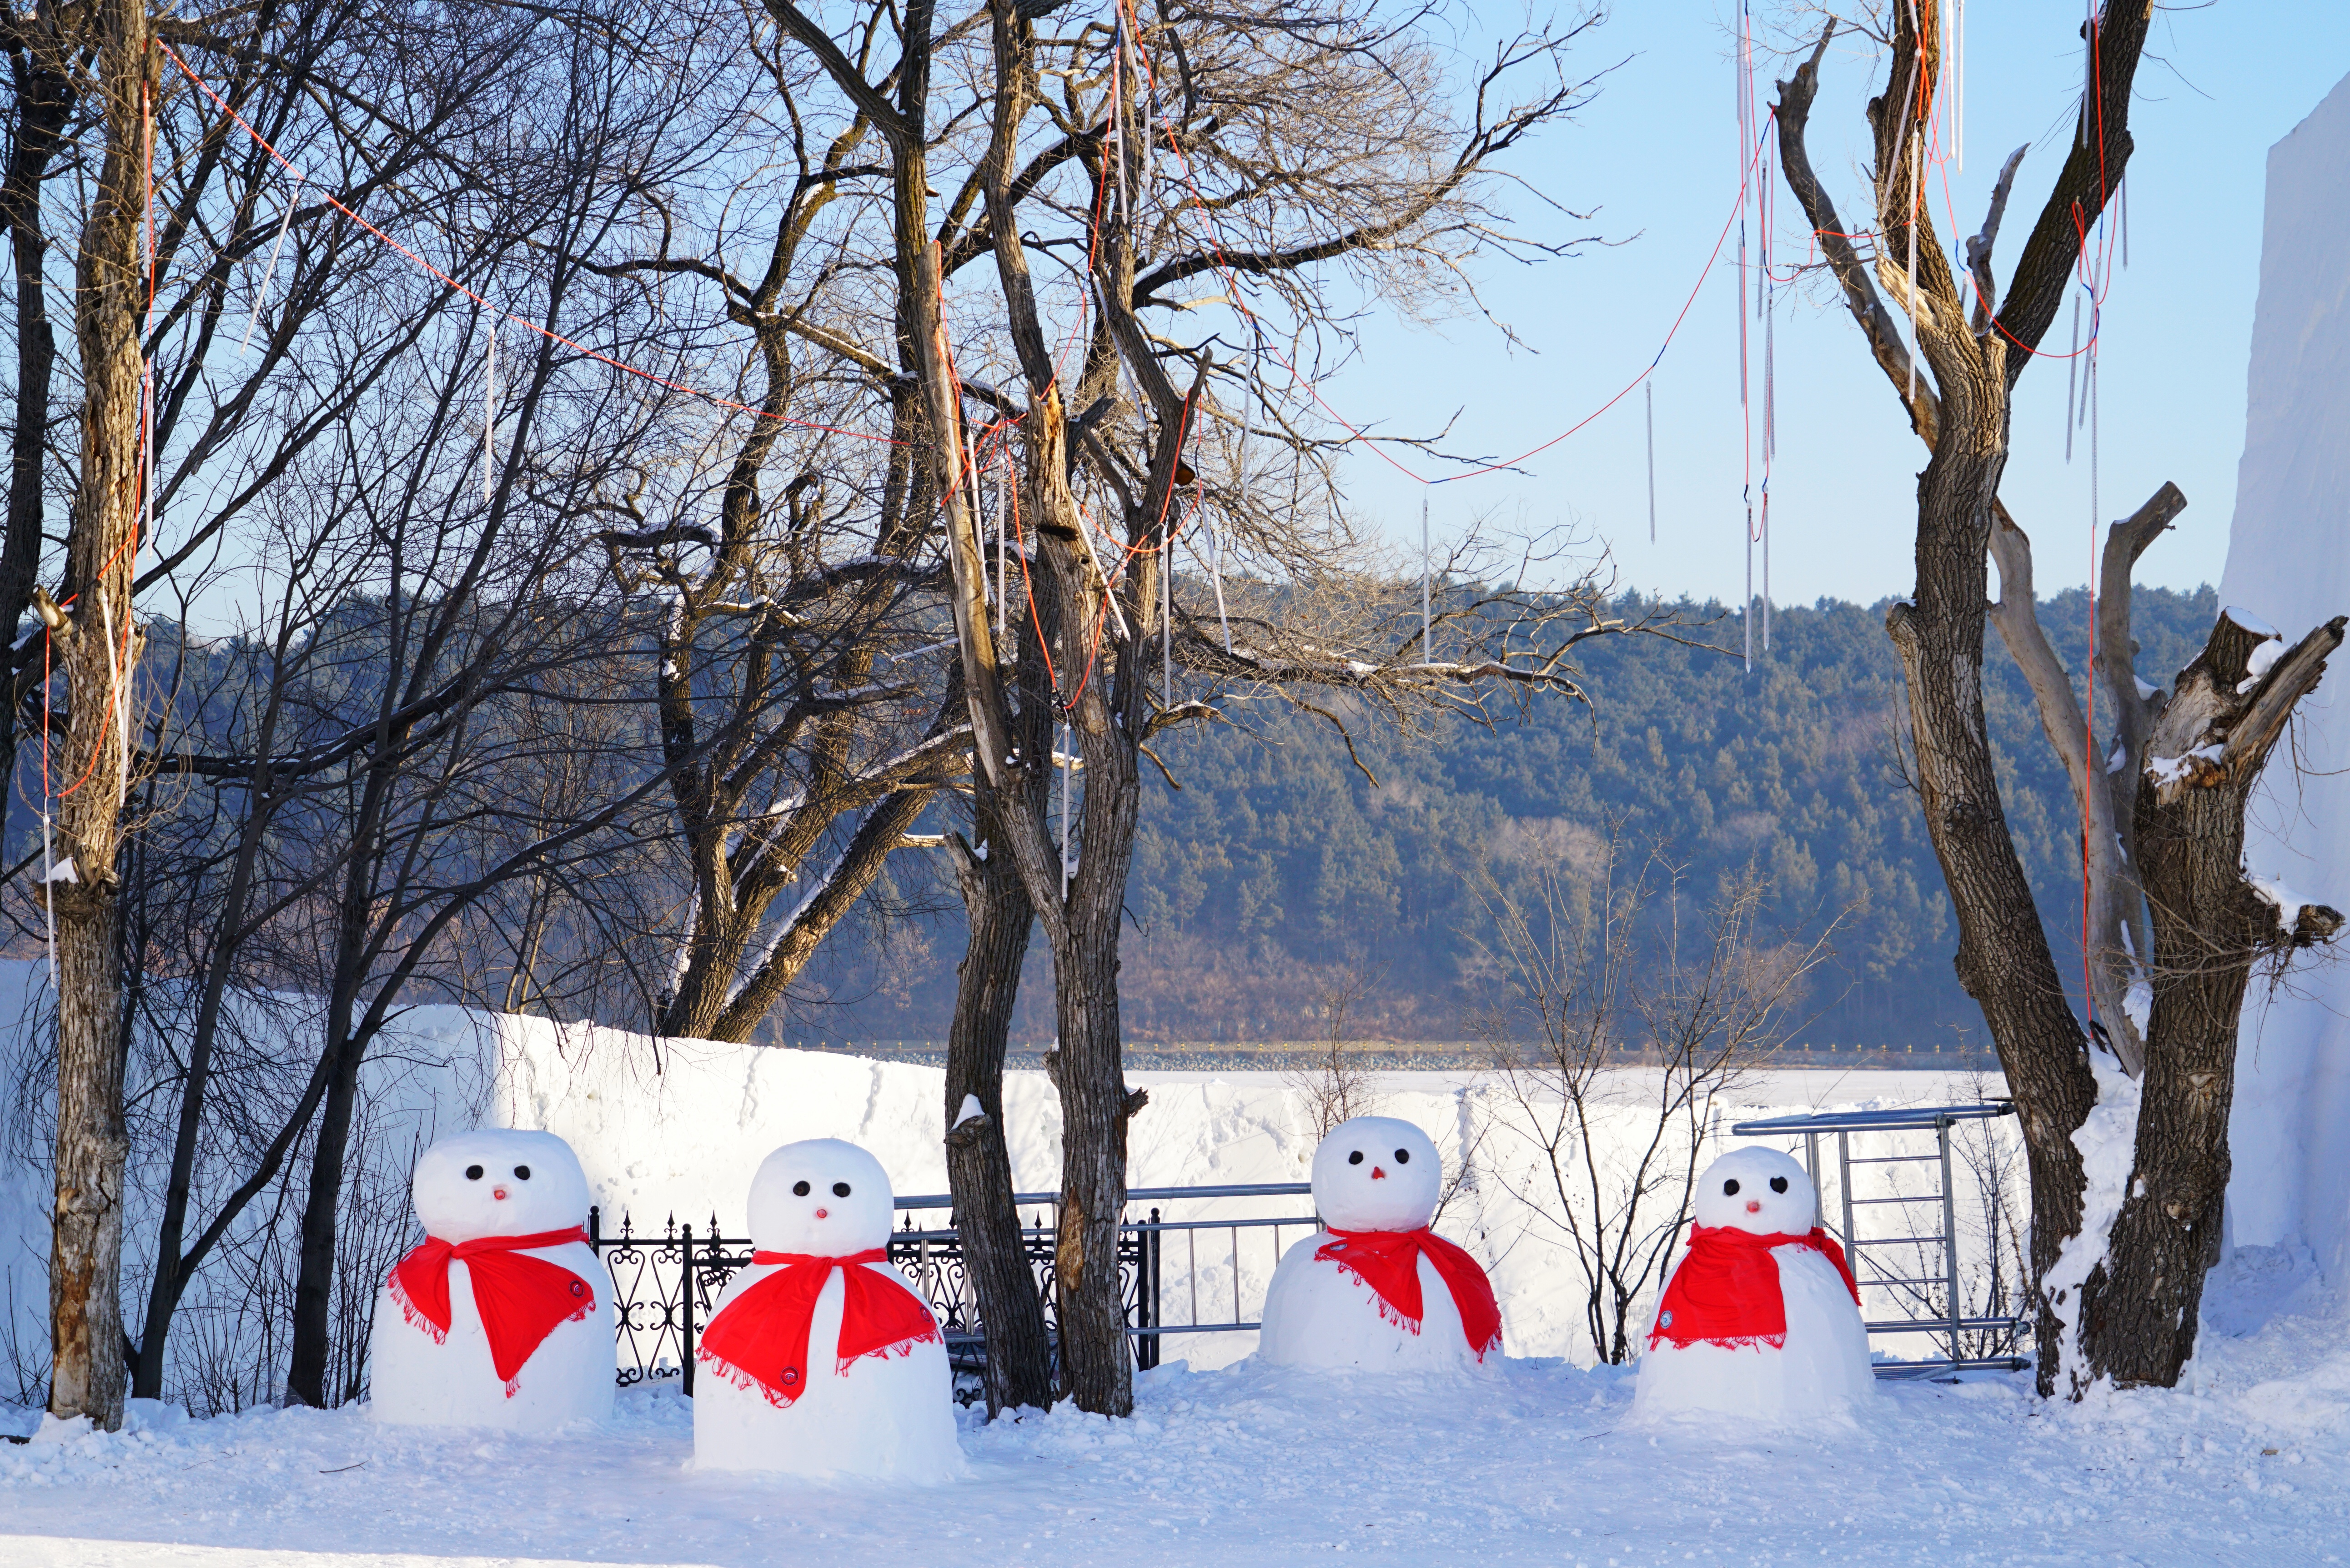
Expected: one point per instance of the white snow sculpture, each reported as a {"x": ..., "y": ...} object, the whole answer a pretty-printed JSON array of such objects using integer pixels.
[
  {"x": 504, "y": 1316},
  {"x": 821, "y": 1358},
  {"x": 1761, "y": 1320},
  {"x": 1377, "y": 1289},
  {"x": 2289, "y": 1131}
]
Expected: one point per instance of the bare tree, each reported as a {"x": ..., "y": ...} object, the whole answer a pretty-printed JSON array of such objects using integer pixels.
[
  {"x": 2176, "y": 927},
  {"x": 1608, "y": 1036},
  {"x": 97, "y": 644}
]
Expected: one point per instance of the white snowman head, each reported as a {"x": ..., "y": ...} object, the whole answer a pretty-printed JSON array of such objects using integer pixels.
[
  {"x": 1759, "y": 1190},
  {"x": 823, "y": 1197},
  {"x": 1375, "y": 1173},
  {"x": 499, "y": 1182}
]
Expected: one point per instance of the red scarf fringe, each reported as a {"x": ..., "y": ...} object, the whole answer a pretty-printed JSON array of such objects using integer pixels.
[
  {"x": 1388, "y": 1262},
  {"x": 1726, "y": 1291},
  {"x": 760, "y": 1339},
  {"x": 520, "y": 1300}
]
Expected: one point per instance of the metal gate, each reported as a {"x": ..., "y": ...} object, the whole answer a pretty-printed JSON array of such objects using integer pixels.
[{"x": 1918, "y": 1271}]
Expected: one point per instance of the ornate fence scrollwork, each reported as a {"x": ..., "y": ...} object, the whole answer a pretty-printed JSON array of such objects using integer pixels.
[{"x": 666, "y": 1287}]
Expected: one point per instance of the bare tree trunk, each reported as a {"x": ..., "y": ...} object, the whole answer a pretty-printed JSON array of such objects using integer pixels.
[
  {"x": 2003, "y": 958},
  {"x": 86, "y": 1252},
  {"x": 979, "y": 1161},
  {"x": 2141, "y": 1308},
  {"x": 1959, "y": 401}
]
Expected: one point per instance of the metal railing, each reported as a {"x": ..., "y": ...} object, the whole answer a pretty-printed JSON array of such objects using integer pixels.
[
  {"x": 1950, "y": 1319},
  {"x": 666, "y": 1287}
]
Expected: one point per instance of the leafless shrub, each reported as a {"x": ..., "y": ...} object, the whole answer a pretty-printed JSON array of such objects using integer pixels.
[{"x": 1601, "y": 1042}]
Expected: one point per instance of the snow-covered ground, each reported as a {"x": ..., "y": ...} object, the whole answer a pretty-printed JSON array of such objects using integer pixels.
[{"x": 1263, "y": 1465}]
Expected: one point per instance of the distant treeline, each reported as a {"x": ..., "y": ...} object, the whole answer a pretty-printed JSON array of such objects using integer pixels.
[{"x": 1282, "y": 877}]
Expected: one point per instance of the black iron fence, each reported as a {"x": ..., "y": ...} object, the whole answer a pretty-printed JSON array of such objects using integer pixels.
[{"x": 666, "y": 1287}]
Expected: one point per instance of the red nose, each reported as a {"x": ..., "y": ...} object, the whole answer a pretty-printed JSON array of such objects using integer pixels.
[
  {"x": 1755, "y": 1206},
  {"x": 1377, "y": 1175},
  {"x": 819, "y": 1213},
  {"x": 499, "y": 1193}
]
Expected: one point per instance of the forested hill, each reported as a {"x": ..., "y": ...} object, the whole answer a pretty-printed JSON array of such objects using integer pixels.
[{"x": 1279, "y": 873}]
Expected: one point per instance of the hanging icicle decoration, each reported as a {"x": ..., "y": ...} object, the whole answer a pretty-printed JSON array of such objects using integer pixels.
[
  {"x": 1117, "y": 106},
  {"x": 1215, "y": 565},
  {"x": 1745, "y": 184},
  {"x": 2089, "y": 398},
  {"x": 269, "y": 278},
  {"x": 2072, "y": 378},
  {"x": 1064, "y": 759},
  {"x": 1917, "y": 198},
  {"x": 1146, "y": 111},
  {"x": 1954, "y": 74},
  {"x": 1746, "y": 609}
]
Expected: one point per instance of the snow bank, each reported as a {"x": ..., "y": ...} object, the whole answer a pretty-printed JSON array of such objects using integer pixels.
[
  {"x": 2286, "y": 557},
  {"x": 672, "y": 1129}
]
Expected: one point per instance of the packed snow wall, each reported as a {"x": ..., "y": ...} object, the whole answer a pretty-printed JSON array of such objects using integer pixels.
[
  {"x": 2289, "y": 562},
  {"x": 670, "y": 1128}
]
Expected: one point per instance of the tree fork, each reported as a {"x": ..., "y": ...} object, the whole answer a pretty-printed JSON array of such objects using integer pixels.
[
  {"x": 1019, "y": 1369},
  {"x": 2140, "y": 1308}
]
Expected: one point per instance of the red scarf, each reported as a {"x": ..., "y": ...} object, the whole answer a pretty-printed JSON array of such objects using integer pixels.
[
  {"x": 1726, "y": 1292},
  {"x": 520, "y": 1300},
  {"x": 762, "y": 1336},
  {"x": 1388, "y": 1261}
]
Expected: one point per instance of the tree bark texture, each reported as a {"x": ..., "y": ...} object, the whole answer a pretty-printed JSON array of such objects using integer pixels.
[
  {"x": 2003, "y": 958},
  {"x": 2141, "y": 1308},
  {"x": 979, "y": 1163},
  {"x": 1959, "y": 401},
  {"x": 86, "y": 1251}
]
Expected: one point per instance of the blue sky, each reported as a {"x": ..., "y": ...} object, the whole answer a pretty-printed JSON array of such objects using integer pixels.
[{"x": 1657, "y": 156}]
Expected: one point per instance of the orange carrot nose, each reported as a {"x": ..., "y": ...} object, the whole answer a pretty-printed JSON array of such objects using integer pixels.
[
  {"x": 1377, "y": 1175},
  {"x": 1755, "y": 1206}
]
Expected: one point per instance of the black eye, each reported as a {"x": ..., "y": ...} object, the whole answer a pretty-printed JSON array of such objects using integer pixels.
[
  {"x": 1778, "y": 1184},
  {"x": 799, "y": 1189},
  {"x": 472, "y": 1173},
  {"x": 521, "y": 1173},
  {"x": 1730, "y": 1188},
  {"x": 1403, "y": 1157},
  {"x": 1356, "y": 1158},
  {"x": 840, "y": 1189}
]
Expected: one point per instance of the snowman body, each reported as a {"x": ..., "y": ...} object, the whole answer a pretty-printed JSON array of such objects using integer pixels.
[
  {"x": 1375, "y": 1175},
  {"x": 887, "y": 1415},
  {"x": 468, "y": 1188},
  {"x": 1820, "y": 1368}
]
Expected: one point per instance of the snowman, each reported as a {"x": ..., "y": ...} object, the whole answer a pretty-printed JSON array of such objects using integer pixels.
[
  {"x": 826, "y": 1360},
  {"x": 503, "y": 1318},
  {"x": 1378, "y": 1288},
  {"x": 1762, "y": 1317}
]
